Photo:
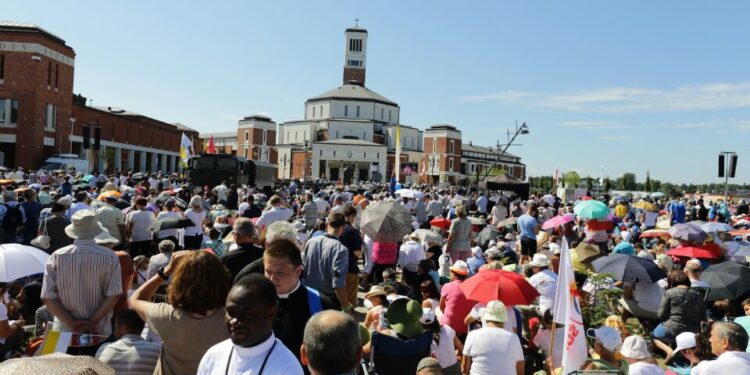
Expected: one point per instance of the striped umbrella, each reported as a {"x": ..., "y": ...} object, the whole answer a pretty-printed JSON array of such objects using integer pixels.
[{"x": 629, "y": 268}]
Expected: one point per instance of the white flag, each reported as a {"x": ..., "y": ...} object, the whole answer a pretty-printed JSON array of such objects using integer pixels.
[
  {"x": 186, "y": 147},
  {"x": 567, "y": 311}
]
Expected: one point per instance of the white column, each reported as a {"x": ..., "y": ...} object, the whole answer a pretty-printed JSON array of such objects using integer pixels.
[
  {"x": 131, "y": 159},
  {"x": 118, "y": 159},
  {"x": 163, "y": 164},
  {"x": 142, "y": 166}
]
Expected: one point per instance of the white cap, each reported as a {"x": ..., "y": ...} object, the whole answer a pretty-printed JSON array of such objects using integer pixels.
[
  {"x": 607, "y": 336},
  {"x": 428, "y": 316},
  {"x": 540, "y": 260},
  {"x": 635, "y": 347},
  {"x": 685, "y": 340}
]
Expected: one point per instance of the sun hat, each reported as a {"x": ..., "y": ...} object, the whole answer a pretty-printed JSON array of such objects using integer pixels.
[
  {"x": 104, "y": 237},
  {"x": 495, "y": 312},
  {"x": 428, "y": 363},
  {"x": 375, "y": 290},
  {"x": 428, "y": 316},
  {"x": 83, "y": 225},
  {"x": 635, "y": 347},
  {"x": 403, "y": 316},
  {"x": 554, "y": 248},
  {"x": 685, "y": 340},
  {"x": 607, "y": 336},
  {"x": 540, "y": 260},
  {"x": 460, "y": 267}
]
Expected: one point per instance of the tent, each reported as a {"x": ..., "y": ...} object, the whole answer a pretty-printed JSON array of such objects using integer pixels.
[{"x": 506, "y": 182}]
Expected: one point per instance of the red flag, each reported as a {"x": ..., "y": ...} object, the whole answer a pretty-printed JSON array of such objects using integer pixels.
[{"x": 211, "y": 148}]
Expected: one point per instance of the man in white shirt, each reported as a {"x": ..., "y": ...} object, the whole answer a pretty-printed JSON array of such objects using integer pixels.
[
  {"x": 323, "y": 205},
  {"x": 331, "y": 344},
  {"x": 491, "y": 349},
  {"x": 482, "y": 204},
  {"x": 544, "y": 281},
  {"x": 279, "y": 211},
  {"x": 251, "y": 311},
  {"x": 222, "y": 192},
  {"x": 434, "y": 208},
  {"x": 729, "y": 342},
  {"x": 138, "y": 223},
  {"x": 82, "y": 203}
]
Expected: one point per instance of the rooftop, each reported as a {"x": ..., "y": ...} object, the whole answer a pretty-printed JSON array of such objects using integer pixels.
[
  {"x": 484, "y": 149},
  {"x": 443, "y": 127},
  {"x": 356, "y": 29},
  {"x": 351, "y": 142},
  {"x": 29, "y": 28},
  {"x": 256, "y": 116},
  {"x": 354, "y": 92}
]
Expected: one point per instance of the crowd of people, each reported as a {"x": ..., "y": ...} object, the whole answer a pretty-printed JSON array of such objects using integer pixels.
[{"x": 152, "y": 275}]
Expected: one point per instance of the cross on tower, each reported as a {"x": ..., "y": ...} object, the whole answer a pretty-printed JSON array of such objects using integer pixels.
[{"x": 356, "y": 22}]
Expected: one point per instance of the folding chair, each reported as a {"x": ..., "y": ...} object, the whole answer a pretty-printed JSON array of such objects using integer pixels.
[{"x": 394, "y": 356}]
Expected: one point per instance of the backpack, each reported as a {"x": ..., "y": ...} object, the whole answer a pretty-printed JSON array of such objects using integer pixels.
[{"x": 12, "y": 219}]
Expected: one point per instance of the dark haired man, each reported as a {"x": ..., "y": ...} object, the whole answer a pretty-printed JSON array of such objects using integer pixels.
[
  {"x": 130, "y": 353},
  {"x": 251, "y": 307},
  {"x": 326, "y": 262}
]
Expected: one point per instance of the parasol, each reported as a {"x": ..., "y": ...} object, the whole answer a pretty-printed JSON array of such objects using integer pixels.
[
  {"x": 591, "y": 209},
  {"x": 691, "y": 252},
  {"x": 508, "y": 287},
  {"x": 507, "y": 222},
  {"x": 726, "y": 280},
  {"x": 687, "y": 232},
  {"x": 558, "y": 221},
  {"x": 17, "y": 261},
  {"x": 629, "y": 268},
  {"x": 387, "y": 221}
]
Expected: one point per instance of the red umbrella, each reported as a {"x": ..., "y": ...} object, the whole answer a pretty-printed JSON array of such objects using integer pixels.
[
  {"x": 558, "y": 221},
  {"x": 441, "y": 223},
  {"x": 691, "y": 252},
  {"x": 508, "y": 287}
]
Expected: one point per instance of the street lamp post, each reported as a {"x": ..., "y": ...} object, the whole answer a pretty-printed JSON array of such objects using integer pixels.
[{"x": 72, "y": 125}]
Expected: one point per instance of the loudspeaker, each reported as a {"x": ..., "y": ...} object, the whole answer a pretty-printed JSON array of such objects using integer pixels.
[
  {"x": 86, "y": 134},
  {"x": 97, "y": 137},
  {"x": 733, "y": 166}
]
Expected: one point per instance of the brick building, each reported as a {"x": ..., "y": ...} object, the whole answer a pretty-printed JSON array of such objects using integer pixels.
[{"x": 40, "y": 115}]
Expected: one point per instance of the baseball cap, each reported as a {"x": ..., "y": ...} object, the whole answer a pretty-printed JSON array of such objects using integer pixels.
[
  {"x": 607, "y": 336},
  {"x": 685, "y": 340}
]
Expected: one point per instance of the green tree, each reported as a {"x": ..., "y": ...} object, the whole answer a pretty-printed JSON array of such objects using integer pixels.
[
  {"x": 648, "y": 186},
  {"x": 589, "y": 183},
  {"x": 607, "y": 184},
  {"x": 572, "y": 179},
  {"x": 628, "y": 182}
]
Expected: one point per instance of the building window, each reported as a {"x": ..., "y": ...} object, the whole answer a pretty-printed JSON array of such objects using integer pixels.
[
  {"x": 313, "y": 112},
  {"x": 434, "y": 145},
  {"x": 364, "y": 155},
  {"x": 346, "y": 110},
  {"x": 378, "y": 155},
  {"x": 264, "y": 136},
  {"x": 321, "y": 111},
  {"x": 334, "y": 153},
  {"x": 51, "y": 117},
  {"x": 49, "y": 73},
  {"x": 247, "y": 135},
  {"x": 321, "y": 152},
  {"x": 295, "y": 135},
  {"x": 357, "y": 111},
  {"x": 245, "y": 153},
  {"x": 354, "y": 62},
  {"x": 382, "y": 111},
  {"x": 450, "y": 165},
  {"x": 389, "y": 114},
  {"x": 57, "y": 74},
  {"x": 452, "y": 147},
  {"x": 355, "y": 45},
  {"x": 2, "y": 68}
]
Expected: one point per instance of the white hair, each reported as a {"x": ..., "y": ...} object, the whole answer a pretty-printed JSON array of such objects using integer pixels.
[{"x": 281, "y": 230}]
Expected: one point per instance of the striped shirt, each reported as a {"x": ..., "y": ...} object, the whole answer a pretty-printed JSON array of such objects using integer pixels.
[
  {"x": 81, "y": 276},
  {"x": 130, "y": 355}
]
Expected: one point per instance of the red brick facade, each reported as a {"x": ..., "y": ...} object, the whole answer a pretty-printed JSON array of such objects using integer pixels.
[{"x": 35, "y": 78}]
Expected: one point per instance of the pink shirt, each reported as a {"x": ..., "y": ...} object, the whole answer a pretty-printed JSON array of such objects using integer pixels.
[
  {"x": 457, "y": 307},
  {"x": 384, "y": 252}
]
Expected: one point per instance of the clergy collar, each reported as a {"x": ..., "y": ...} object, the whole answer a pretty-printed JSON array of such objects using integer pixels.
[
  {"x": 256, "y": 350},
  {"x": 286, "y": 295}
]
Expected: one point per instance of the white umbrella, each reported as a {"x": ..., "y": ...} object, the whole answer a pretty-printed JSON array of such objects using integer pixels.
[
  {"x": 17, "y": 261},
  {"x": 410, "y": 193},
  {"x": 713, "y": 227},
  {"x": 736, "y": 248}
]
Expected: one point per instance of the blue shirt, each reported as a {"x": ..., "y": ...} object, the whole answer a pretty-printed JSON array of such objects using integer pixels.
[
  {"x": 678, "y": 212},
  {"x": 474, "y": 263},
  {"x": 526, "y": 225}
]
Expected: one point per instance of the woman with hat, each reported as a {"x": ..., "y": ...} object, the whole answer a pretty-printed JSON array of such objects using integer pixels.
[
  {"x": 444, "y": 342},
  {"x": 377, "y": 298},
  {"x": 696, "y": 349},
  {"x": 491, "y": 349},
  {"x": 453, "y": 302},
  {"x": 635, "y": 351},
  {"x": 194, "y": 233}
]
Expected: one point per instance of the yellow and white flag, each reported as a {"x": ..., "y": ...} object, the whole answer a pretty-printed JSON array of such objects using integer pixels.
[
  {"x": 186, "y": 149},
  {"x": 55, "y": 342}
]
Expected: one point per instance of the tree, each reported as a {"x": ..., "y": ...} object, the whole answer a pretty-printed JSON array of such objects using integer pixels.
[
  {"x": 589, "y": 183},
  {"x": 607, "y": 185},
  {"x": 572, "y": 179},
  {"x": 648, "y": 186},
  {"x": 628, "y": 182}
]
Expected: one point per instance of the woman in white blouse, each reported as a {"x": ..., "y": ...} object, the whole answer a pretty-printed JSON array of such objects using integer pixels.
[{"x": 194, "y": 233}]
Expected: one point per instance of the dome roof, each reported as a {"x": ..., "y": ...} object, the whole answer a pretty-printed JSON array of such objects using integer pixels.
[{"x": 353, "y": 92}]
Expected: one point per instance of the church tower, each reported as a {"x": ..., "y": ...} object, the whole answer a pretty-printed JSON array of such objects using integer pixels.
[{"x": 356, "y": 55}]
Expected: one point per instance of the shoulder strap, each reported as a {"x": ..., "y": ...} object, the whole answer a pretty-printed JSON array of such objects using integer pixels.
[{"x": 313, "y": 300}]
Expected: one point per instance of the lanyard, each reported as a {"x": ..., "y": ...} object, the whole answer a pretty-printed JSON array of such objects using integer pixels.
[{"x": 263, "y": 366}]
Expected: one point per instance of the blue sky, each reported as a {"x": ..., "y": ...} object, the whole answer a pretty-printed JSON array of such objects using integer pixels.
[{"x": 630, "y": 86}]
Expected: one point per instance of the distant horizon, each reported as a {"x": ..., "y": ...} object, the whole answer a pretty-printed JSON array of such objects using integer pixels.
[{"x": 595, "y": 87}]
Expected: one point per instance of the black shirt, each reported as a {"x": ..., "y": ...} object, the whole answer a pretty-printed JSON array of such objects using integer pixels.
[
  {"x": 236, "y": 260},
  {"x": 294, "y": 312},
  {"x": 353, "y": 242}
]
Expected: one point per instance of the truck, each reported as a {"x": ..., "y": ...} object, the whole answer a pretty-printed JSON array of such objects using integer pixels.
[
  {"x": 66, "y": 162},
  {"x": 211, "y": 169}
]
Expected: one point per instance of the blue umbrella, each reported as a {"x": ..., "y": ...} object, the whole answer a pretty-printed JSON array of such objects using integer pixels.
[
  {"x": 687, "y": 232},
  {"x": 629, "y": 269},
  {"x": 624, "y": 247}
]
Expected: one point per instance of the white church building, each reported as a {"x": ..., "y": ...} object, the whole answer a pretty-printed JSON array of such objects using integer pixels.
[{"x": 348, "y": 132}]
